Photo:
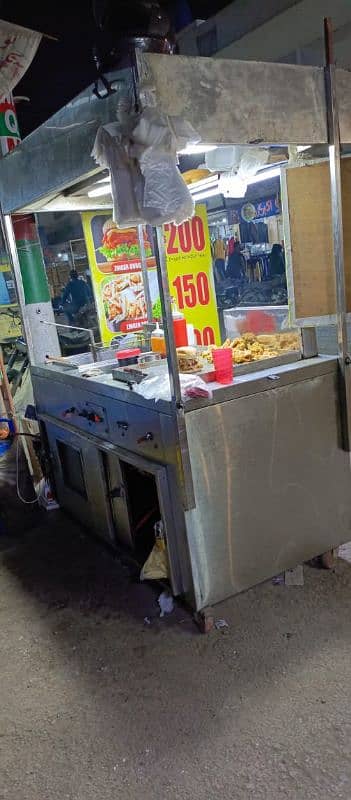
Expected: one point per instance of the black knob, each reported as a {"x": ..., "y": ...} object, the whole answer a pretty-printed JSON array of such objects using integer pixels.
[
  {"x": 148, "y": 437},
  {"x": 69, "y": 411},
  {"x": 123, "y": 425}
]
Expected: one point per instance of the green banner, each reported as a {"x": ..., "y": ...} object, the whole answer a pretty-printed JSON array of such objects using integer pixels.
[{"x": 34, "y": 278}]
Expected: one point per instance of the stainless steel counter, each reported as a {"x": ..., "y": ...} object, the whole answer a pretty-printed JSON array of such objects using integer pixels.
[{"x": 271, "y": 481}]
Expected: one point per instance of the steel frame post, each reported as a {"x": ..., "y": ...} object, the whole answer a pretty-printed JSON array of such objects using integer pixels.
[{"x": 338, "y": 235}]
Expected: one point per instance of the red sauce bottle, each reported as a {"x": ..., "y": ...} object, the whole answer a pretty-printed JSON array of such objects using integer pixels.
[{"x": 179, "y": 328}]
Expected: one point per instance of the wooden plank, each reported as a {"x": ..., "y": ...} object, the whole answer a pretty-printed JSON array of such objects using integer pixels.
[
  {"x": 311, "y": 238},
  {"x": 343, "y": 84},
  {"x": 346, "y": 215}
]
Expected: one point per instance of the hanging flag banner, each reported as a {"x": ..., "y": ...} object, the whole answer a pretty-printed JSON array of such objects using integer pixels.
[
  {"x": 18, "y": 47},
  {"x": 116, "y": 274},
  {"x": 190, "y": 275},
  {"x": 9, "y": 131}
]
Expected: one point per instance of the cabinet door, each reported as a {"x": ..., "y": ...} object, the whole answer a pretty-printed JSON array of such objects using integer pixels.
[
  {"x": 80, "y": 480},
  {"x": 117, "y": 492}
]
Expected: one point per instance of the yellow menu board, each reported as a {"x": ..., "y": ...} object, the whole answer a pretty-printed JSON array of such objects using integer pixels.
[
  {"x": 115, "y": 266},
  {"x": 190, "y": 275},
  {"x": 114, "y": 258}
]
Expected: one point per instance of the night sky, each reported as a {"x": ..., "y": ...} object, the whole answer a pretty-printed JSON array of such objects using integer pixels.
[{"x": 62, "y": 69}]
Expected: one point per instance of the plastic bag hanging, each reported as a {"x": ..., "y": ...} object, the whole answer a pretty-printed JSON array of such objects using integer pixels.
[
  {"x": 146, "y": 184},
  {"x": 126, "y": 179},
  {"x": 156, "y": 138}
]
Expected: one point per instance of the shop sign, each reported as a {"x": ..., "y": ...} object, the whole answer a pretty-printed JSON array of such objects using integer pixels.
[
  {"x": 248, "y": 212},
  {"x": 190, "y": 274},
  {"x": 116, "y": 274}
]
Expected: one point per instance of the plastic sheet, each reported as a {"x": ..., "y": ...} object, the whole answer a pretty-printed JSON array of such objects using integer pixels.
[
  {"x": 156, "y": 387},
  {"x": 237, "y": 160},
  {"x": 126, "y": 177},
  {"x": 146, "y": 184}
]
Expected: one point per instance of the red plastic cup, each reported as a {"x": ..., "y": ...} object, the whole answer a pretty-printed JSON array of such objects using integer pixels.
[{"x": 223, "y": 364}]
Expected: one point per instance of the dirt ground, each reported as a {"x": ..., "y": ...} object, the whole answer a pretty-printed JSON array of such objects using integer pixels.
[{"x": 96, "y": 704}]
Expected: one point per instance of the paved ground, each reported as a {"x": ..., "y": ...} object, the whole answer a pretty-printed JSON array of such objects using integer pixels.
[{"x": 97, "y": 705}]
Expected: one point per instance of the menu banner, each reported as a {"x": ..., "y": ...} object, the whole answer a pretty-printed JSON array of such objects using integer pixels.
[
  {"x": 190, "y": 275},
  {"x": 114, "y": 258},
  {"x": 116, "y": 274}
]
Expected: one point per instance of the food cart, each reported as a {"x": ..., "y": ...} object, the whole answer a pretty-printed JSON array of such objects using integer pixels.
[{"x": 254, "y": 478}]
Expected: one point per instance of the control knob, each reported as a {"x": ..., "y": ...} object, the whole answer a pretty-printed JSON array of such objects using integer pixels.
[{"x": 148, "y": 437}]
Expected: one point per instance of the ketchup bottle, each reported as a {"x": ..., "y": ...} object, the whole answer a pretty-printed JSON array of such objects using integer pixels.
[{"x": 179, "y": 329}]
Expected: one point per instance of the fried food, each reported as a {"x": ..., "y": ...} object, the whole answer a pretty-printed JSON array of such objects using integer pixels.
[
  {"x": 249, "y": 338},
  {"x": 242, "y": 356},
  {"x": 115, "y": 309},
  {"x": 257, "y": 349},
  {"x": 289, "y": 341},
  {"x": 249, "y": 347}
]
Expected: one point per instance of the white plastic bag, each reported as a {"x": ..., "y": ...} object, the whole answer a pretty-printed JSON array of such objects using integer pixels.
[
  {"x": 224, "y": 158},
  {"x": 166, "y": 197},
  {"x": 126, "y": 178},
  {"x": 166, "y": 133},
  {"x": 157, "y": 387},
  {"x": 253, "y": 159},
  {"x": 166, "y": 603},
  {"x": 240, "y": 160},
  {"x": 146, "y": 184}
]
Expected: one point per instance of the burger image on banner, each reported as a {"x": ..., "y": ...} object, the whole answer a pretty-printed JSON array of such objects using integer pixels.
[
  {"x": 118, "y": 260},
  {"x": 121, "y": 247}
]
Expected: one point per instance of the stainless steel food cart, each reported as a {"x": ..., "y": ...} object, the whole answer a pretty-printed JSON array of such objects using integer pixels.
[{"x": 257, "y": 478}]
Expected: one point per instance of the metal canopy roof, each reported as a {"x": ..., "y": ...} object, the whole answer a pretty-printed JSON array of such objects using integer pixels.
[{"x": 241, "y": 102}]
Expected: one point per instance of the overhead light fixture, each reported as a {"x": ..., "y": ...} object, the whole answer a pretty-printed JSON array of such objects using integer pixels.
[
  {"x": 107, "y": 179},
  {"x": 194, "y": 149},
  {"x": 100, "y": 190},
  {"x": 206, "y": 193},
  {"x": 211, "y": 186},
  {"x": 206, "y": 183},
  {"x": 301, "y": 147},
  {"x": 265, "y": 175}
]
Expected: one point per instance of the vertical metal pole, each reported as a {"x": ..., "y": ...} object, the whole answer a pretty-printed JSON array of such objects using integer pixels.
[
  {"x": 338, "y": 236},
  {"x": 173, "y": 370},
  {"x": 32, "y": 288},
  {"x": 144, "y": 273},
  {"x": 166, "y": 307},
  {"x": 9, "y": 237}
]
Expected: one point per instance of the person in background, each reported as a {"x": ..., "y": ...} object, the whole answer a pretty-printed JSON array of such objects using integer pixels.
[
  {"x": 235, "y": 266},
  {"x": 89, "y": 284},
  {"x": 277, "y": 262},
  {"x": 75, "y": 295},
  {"x": 219, "y": 254}
]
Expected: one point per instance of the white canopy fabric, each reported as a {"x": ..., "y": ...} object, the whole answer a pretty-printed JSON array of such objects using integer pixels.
[{"x": 18, "y": 47}]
